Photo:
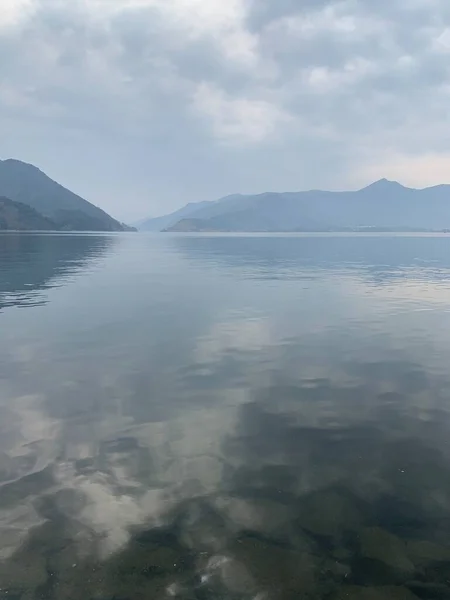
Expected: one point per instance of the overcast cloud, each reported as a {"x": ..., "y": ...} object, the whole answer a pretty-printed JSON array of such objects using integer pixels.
[{"x": 143, "y": 105}]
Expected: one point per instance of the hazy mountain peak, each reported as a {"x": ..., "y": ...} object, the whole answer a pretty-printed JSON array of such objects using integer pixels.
[
  {"x": 23, "y": 168},
  {"x": 15, "y": 161},
  {"x": 382, "y": 206},
  {"x": 384, "y": 184}
]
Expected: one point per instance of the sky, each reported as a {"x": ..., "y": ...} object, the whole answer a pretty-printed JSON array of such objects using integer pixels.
[{"x": 141, "y": 106}]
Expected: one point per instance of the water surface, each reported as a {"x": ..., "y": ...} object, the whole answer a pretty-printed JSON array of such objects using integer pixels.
[{"x": 224, "y": 417}]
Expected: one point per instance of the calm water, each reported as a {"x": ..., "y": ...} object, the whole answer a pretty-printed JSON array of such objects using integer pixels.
[{"x": 224, "y": 417}]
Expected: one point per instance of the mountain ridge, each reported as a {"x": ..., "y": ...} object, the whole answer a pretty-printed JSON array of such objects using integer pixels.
[
  {"x": 27, "y": 184},
  {"x": 17, "y": 216},
  {"x": 383, "y": 205}
]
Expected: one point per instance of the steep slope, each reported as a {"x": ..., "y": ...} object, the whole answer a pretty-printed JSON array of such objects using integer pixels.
[
  {"x": 18, "y": 216},
  {"x": 159, "y": 223},
  {"x": 205, "y": 209},
  {"x": 25, "y": 183},
  {"x": 382, "y": 205}
]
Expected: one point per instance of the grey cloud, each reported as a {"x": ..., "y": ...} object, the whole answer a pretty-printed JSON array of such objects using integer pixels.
[
  {"x": 263, "y": 12},
  {"x": 280, "y": 96}
]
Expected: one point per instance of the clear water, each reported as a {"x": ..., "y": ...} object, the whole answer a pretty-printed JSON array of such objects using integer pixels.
[{"x": 224, "y": 417}]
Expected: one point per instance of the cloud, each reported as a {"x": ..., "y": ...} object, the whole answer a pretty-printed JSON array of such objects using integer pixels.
[
  {"x": 12, "y": 12},
  {"x": 250, "y": 335},
  {"x": 215, "y": 91},
  {"x": 238, "y": 120}
]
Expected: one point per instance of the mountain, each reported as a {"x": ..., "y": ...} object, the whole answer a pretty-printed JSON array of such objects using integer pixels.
[
  {"x": 383, "y": 205},
  {"x": 159, "y": 223},
  {"x": 19, "y": 216},
  {"x": 22, "y": 182}
]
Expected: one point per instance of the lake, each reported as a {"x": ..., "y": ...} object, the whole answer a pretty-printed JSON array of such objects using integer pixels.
[{"x": 224, "y": 417}]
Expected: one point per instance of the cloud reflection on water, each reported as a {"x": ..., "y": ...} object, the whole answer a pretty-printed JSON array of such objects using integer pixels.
[{"x": 250, "y": 460}]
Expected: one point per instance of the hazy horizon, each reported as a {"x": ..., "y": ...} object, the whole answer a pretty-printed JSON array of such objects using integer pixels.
[{"x": 141, "y": 220}]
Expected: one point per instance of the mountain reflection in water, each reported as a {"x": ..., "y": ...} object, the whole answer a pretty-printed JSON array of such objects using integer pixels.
[
  {"x": 213, "y": 424},
  {"x": 32, "y": 263}
]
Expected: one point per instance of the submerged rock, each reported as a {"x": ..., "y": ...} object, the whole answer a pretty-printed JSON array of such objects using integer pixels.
[
  {"x": 204, "y": 529},
  {"x": 139, "y": 572},
  {"x": 237, "y": 578},
  {"x": 380, "y": 545},
  {"x": 354, "y": 592},
  {"x": 423, "y": 552},
  {"x": 336, "y": 569},
  {"x": 164, "y": 558},
  {"x": 276, "y": 569},
  {"x": 437, "y": 591},
  {"x": 329, "y": 514},
  {"x": 256, "y": 514},
  {"x": 23, "y": 572}
]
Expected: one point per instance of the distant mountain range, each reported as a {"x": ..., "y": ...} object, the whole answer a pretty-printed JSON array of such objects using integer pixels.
[
  {"x": 31, "y": 200},
  {"x": 383, "y": 205}
]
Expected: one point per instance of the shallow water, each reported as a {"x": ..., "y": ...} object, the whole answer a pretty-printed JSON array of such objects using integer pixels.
[{"x": 224, "y": 417}]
